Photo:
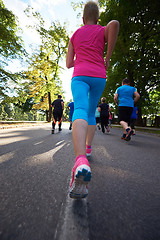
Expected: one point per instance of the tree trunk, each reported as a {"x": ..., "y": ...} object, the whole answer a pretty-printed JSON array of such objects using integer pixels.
[
  {"x": 139, "y": 118},
  {"x": 130, "y": 77},
  {"x": 144, "y": 121},
  {"x": 50, "y": 109},
  {"x": 47, "y": 115},
  {"x": 157, "y": 121}
]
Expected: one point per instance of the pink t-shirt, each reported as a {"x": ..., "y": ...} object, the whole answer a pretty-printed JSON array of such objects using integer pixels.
[{"x": 88, "y": 42}]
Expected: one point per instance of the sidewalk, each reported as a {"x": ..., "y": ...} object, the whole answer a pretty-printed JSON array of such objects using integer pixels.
[{"x": 15, "y": 124}]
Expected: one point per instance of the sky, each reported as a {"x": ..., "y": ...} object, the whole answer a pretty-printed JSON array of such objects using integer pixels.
[{"x": 50, "y": 10}]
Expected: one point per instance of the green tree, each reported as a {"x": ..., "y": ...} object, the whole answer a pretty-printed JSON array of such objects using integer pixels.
[
  {"x": 136, "y": 54},
  {"x": 44, "y": 67},
  {"x": 11, "y": 47},
  {"x": 154, "y": 106},
  {"x": 3, "y": 114}
]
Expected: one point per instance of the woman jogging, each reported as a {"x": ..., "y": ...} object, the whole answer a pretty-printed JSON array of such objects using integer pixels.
[{"x": 85, "y": 54}]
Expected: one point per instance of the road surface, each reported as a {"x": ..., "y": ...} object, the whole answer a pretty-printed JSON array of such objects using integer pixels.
[{"x": 35, "y": 174}]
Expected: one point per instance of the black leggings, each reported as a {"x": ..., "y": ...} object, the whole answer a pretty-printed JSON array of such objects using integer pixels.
[
  {"x": 104, "y": 121},
  {"x": 124, "y": 114},
  {"x": 57, "y": 116}
]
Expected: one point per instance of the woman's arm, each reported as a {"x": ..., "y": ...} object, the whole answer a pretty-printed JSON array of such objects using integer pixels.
[
  {"x": 111, "y": 33},
  {"x": 70, "y": 56}
]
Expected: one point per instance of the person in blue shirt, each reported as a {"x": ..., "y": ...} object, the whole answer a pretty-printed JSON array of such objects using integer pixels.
[
  {"x": 71, "y": 108},
  {"x": 126, "y": 96},
  {"x": 133, "y": 119}
]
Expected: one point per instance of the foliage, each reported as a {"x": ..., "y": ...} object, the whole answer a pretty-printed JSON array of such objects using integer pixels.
[
  {"x": 154, "y": 103},
  {"x": 11, "y": 47},
  {"x": 44, "y": 68},
  {"x": 136, "y": 54},
  {"x": 13, "y": 112}
]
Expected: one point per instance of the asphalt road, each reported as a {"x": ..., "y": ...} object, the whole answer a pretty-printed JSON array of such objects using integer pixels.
[{"x": 35, "y": 173}]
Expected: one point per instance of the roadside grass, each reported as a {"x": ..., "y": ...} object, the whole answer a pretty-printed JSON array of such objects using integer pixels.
[
  {"x": 8, "y": 124},
  {"x": 155, "y": 131},
  {"x": 143, "y": 129}
]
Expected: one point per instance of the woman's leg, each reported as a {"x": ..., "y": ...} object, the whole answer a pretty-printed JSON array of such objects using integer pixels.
[
  {"x": 80, "y": 91},
  {"x": 81, "y": 174},
  {"x": 79, "y": 132},
  {"x": 90, "y": 134},
  {"x": 97, "y": 87}
]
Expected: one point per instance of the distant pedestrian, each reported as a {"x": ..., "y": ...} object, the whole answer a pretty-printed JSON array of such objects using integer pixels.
[
  {"x": 97, "y": 116},
  {"x": 58, "y": 106},
  {"x": 104, "y": 110},
  {"x": 125, "y": 97},
  {"x": 71, "y": 110},
  {"x": 110, "y": 119},
  {"x": 133, "y": 119}
]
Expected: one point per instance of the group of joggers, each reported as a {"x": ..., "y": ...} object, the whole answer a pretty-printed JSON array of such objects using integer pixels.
[{"x": 125, "y": 97}]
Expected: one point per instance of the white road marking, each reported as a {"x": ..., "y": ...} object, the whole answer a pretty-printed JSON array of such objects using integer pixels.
[
  {"x": 75, "y": 225},
  {"x": 74, "y": 220}
]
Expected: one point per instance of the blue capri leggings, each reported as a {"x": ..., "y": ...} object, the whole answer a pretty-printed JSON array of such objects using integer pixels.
[{"x": 86, "y": 93}]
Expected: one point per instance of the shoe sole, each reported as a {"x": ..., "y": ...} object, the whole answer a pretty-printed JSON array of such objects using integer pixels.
[
  {"x": 82, "y": 178},
  {"x": 88, "y": 154},
  {"x": 128, "y": 137}
]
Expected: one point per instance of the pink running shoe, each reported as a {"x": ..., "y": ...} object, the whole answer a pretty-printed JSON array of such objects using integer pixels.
[
  {"x": 107, "y": 129},
  {"x": 88, "y": 151},
  {"x": 81, "y": 175}
]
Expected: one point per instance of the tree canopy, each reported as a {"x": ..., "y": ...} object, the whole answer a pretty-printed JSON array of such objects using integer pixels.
[
  {"x": 11, "y": 47},
  {"x": 44, "y": 67},
  {"x": 136, "y": 54}
]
